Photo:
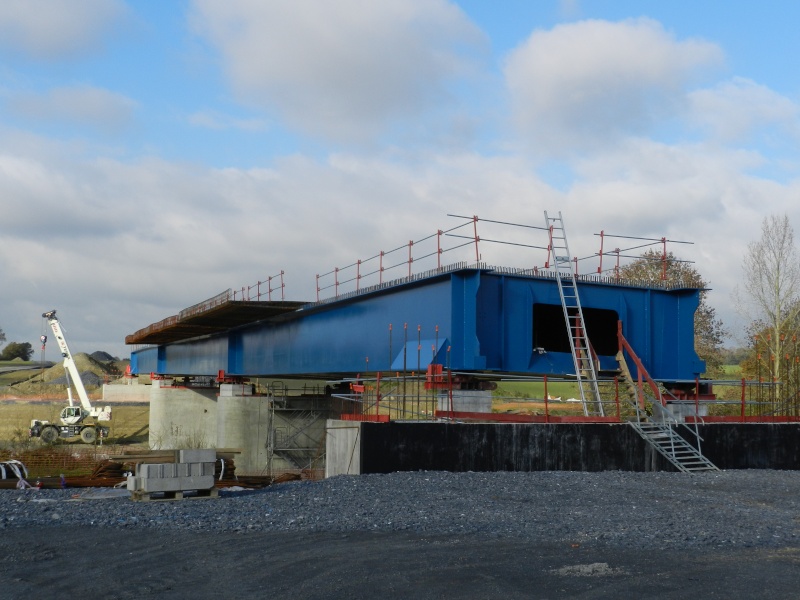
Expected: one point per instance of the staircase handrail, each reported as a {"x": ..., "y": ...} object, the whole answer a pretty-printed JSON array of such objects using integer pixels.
[{"x": 624, "y": 345}]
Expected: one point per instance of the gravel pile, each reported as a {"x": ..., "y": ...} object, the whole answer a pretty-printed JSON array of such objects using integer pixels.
[{"x": 620, "y": 509}]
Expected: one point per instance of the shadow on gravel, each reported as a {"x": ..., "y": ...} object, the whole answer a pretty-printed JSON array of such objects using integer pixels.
[{"x": 137, "y": 564}]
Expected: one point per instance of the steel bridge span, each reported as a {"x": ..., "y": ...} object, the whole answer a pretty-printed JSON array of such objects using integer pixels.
[{"x": 484, "y": 320}]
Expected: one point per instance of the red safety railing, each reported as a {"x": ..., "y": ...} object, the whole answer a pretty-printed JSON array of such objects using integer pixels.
[
  {"x": 262, "y": 290},
  {"x": 640, "y": 370}
]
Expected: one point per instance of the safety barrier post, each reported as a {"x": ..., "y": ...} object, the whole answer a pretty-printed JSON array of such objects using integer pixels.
[
  {"x": 378, "y": 395},
  {"x": 477, "y": 239},
  {"x": 696, "y": 396},
  {"x": 742, "y": 410},
  {"x": 546, "y": 409},
  {"x": 600, "y": 268}
]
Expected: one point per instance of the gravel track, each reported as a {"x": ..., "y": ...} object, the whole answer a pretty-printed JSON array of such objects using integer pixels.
[
  {"x": 734, "y": 509},
  {"x": 423, "y": 535}
]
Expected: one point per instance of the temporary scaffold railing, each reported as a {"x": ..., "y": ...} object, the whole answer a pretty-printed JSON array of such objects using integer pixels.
[
  {"x": 255, "y": 292},
  {"x": 418, "y": 259}
]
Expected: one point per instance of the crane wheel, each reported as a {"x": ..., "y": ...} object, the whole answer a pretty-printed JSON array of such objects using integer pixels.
[
  {"x": 49, "y": 435},
  {"x": 88, "y": 435}
]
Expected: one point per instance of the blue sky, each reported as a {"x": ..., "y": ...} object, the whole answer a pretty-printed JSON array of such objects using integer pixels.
[{"x": 153, "y": 154}]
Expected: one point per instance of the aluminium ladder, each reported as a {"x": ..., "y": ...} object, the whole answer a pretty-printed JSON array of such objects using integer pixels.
[{"x": 585, "y": 370}]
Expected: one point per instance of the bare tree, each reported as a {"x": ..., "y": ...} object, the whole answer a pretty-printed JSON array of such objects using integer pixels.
[{"x": 771, "y": 283}]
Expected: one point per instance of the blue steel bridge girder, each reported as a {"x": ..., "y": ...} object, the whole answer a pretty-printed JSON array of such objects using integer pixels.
[{"x": 488, "y": 322}]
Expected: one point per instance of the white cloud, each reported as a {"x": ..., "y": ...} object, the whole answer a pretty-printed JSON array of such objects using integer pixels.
[
  {"x": 342, "y": 70},
  {"x": 119, "y": 245},
  {"x": 584, "y": 85},
  {"x": 210, "y": 119},
  {"x": 85, "y": 106},
  {"x": 57, "y": 29},
  {"x": 734, "y": 109}
]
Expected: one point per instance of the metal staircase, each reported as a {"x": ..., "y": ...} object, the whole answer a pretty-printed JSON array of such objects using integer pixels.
[
  {"x": 585, "y": 370},
  {"x": 660, "y": 429}
]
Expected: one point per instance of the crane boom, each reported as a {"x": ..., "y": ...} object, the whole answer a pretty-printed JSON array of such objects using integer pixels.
[{"x": 69, "y": 364}]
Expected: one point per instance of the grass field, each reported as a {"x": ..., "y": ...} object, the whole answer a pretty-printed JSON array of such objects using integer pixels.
[
  {"x": 732, "y": 370},
  {"x": 129, "y": 423},
  {"x": 12, "y": 377}
]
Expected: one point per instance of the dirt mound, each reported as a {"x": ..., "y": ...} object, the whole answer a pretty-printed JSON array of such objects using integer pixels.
[
  {"x": 93, "y": 373},
  {"x": 103, "y": 357},
  {"x": 89, "y": 379}
]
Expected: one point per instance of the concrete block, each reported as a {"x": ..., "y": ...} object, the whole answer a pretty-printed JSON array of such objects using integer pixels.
[
  {"x": 204, "y": 482},
  {"x": 161, "y": 484},
  {"x": 197, "y": 456},
  {"x": 150, "y": 471},
  {"x": 169, "y": 470},
  {"x": 132, "y": 483},
  {"x": 201, "y": 469},
  {"x": 182, "y": 469}
]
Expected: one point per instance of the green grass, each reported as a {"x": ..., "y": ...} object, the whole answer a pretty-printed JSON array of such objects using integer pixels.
[
  {"x": 12, "y": 377},
  {"x": 732, "y": 369},
  {"x": 535, "y": 389},
  {"x": 129, "y": 423}
]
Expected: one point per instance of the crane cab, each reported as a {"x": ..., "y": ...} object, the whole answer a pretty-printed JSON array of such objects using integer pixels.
[{"x": 72, "y": 415}]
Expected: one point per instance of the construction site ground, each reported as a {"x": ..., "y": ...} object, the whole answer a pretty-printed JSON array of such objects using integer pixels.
[
  {"x": 174, "y": 564},
  {"x": 732, "y": 534}
]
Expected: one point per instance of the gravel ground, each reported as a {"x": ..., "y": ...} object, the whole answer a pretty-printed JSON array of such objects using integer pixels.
[{"x": 590, "y": 534}]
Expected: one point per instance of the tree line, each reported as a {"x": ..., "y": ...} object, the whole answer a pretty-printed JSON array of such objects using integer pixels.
[
  {"x": 14, "y": 350},
  {"x": 767, "y": 299}
]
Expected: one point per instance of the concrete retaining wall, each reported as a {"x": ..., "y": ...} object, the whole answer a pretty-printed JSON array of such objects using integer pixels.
[
  {"x": 388, "y": 447},
  {"x": 752, "y": 445}
]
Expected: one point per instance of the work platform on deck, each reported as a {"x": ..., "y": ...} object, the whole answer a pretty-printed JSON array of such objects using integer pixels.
[{"x": 218, "y": 318}]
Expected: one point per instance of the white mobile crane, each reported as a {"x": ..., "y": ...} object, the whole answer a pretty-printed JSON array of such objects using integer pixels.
[{"x": 73, "y": 418}]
